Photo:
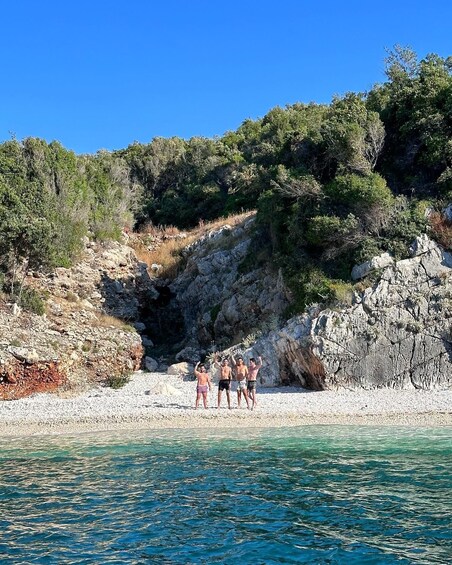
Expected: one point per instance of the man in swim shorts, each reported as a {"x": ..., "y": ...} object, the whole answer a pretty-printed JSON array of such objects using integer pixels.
[
  {"x": 253, "y": 369},
  {"x": 203, "y": 384},
  {"x": 225, "y": 380},
  {"x": 241, "y": 374}
]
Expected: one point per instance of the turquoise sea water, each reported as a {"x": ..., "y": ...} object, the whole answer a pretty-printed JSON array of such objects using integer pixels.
[{"x": 331, "y": 494}]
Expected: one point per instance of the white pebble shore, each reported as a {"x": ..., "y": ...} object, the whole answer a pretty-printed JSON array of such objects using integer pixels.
[{"x": 141, "y": 405}]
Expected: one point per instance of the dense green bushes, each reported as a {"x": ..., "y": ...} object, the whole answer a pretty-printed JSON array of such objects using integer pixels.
[
  {"x": 49, "y": 199},
  {"x": 333, "y": 184}
]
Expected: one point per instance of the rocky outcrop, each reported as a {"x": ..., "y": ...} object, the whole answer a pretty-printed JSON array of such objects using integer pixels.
[
  {"x": 397, "y": 334},
  {"x": 19, "y": 379},
  {"x": 361, "y": 271},
  {"x": 219, "y": 302},
  {"x": 87, "y": 334}
]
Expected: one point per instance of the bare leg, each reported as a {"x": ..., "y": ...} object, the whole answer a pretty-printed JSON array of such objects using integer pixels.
[
  {"x": 204, "y": 398},
  {"x": 239, "y": 397},
  {"x": 219, "y": 398},
  {"x": 253, "y": 397},
  {"x": 228, "y": 396},
  {"x": 245, "y": 394},
  {"x": 198, "y": 398}
]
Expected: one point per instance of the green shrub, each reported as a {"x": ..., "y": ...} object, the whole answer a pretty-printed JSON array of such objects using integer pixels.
[
  {"x": 32, "y": 301},
  {"x": 308, "y": 286},
  {"x": 342, "y": 292},
  {"x": 116, "y": 381},
  {"x": 366, "y": 250},
  {"x": 359, "y": 191},
  {"x": 320, "y": 229},
  {"x": 324, "y": 230}
]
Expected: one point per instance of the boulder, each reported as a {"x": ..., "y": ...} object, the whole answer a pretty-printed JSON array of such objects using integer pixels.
[
  {"x": 379, "y": 262},
  {"x": 150, "y": 364},
  {"x": 166, "y": 389},
  {"x": 180, "y": 369},
  {"x": 27, "y": 355}
]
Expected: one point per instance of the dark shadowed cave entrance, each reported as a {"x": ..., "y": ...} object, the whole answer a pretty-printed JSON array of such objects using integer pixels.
[{"x": 164, "y": 322}]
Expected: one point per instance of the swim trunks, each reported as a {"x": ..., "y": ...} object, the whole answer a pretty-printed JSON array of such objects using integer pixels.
[
  {"x": 201, "y": 388},
  {"x": 241, "y": 385},
  {"x": 224, "y": 384},
  {"x": 251, "y": 385}
]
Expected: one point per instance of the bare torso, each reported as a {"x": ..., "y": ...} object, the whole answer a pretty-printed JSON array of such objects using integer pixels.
[
  {"x": 241, "y": 372},
  {"x": 203, "y": 378},
  {"x": 225, "y": 372}
]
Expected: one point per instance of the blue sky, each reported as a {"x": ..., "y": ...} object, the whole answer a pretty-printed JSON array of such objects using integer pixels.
[{"x": 103, "y": 74}]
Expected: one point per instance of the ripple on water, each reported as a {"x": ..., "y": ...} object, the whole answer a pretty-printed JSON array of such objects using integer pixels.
[{"x": 330, "y": 494}]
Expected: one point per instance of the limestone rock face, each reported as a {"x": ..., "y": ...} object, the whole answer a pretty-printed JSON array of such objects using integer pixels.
[
  {"x": 360, "y": 271},
  {"x": 398, "y": 334},
  {"x": 219, "y": 302},
  {"x": 87, "y": 333}
]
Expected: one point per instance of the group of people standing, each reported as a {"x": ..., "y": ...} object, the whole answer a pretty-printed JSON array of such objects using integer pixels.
[{"x": 238, "y": 372}]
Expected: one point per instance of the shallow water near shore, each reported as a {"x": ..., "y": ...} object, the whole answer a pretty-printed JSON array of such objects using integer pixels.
[{"x": 327, "y": 494}]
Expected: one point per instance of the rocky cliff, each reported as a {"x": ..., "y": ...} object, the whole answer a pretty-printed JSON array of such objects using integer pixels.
[
  {"x": 396, "y": 334},
  {"x": 221, "y": 301},
  {"x": 87, "y": 334},
  {"x": 100, "y": 313}
]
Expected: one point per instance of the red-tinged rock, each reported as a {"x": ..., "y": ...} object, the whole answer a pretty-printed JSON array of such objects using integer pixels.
[{"x": 23, "y": 380}]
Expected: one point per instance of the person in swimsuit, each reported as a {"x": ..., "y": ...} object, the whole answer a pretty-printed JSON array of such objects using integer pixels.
[
  {"x": 203, "y": 384},
  {"x": 253, "y": 369},
  {"x": 225, "y": 380},
  {"x": 241, "y": 374}
]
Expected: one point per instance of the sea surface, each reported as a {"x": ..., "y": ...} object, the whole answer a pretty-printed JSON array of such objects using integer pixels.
[{"x": 327, "y": 494}]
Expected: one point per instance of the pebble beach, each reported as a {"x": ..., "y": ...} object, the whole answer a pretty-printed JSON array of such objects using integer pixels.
[{"x": 157, "y": 400}]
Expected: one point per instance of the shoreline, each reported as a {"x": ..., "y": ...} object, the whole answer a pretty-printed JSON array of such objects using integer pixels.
[
  {"x": 159, "y": 401},
  {"x": 423, "y": 420}
]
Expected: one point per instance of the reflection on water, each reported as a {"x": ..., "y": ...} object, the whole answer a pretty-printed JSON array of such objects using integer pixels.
[{"x": 330, "y": 494}]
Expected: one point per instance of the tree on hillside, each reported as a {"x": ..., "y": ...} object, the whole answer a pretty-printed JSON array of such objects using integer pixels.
[
  {"x": 415, "y": 107},
  {"x": 26, "y": 239},
  {"x": 353, "y": 135}
]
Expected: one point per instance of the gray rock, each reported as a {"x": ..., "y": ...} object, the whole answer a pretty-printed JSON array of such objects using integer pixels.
[
  {"x": 146, "y": 341},
  {"x": 360, "y": 271},
  {"x": 399, "y": 335},
  {"x": 448, "y": 212},
  {"x": 150, "y": 364},
  {"x": 217, "y": 301},
  {"x": 27, "y": 355},
  {"x": 180, "y": 369},
  {"x": 421, "y": 245},
  {"x": 190, "y": 354}
]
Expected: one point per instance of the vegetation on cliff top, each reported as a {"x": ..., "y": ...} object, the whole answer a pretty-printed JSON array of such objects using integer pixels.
[{"x": 333, "y": 184}]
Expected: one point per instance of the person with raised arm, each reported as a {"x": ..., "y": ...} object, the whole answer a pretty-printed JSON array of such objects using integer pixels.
[
  {"x": 203, "y": 383},
  {"x": 225, "y": 380},
  {"x": 253, "y": 369},
  {"x": 241, "y": 374}
]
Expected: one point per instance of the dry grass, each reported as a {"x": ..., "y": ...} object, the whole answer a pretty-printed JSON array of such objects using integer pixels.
[
  {"x": 159, "y": 231},
  {"x": 106, "y": 321},
  {"x": 169, "y": 242},
  {"x": 441, "y": 229}
]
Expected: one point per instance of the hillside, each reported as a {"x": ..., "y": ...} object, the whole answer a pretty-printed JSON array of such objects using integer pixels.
[{"x": 316, "y": 192}]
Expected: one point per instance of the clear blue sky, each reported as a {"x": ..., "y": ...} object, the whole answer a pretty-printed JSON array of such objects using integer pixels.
[{"x": 100, "y": 74}]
